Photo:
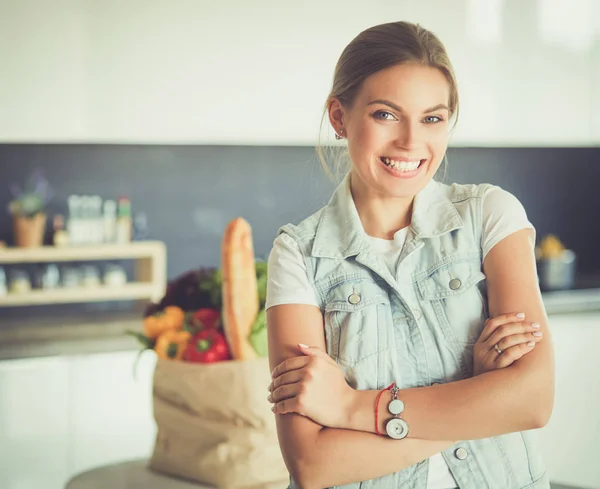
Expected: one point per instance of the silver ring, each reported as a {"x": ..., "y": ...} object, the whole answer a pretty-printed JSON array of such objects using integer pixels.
[{"x": 497, "y": 349}]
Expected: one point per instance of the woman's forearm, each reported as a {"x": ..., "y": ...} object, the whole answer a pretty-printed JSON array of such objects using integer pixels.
[
  {"x": 491, "y": 404},
  {"x": 343, "y": 456}
]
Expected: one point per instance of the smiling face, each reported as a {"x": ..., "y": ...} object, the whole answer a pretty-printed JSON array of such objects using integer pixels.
[{"x": 397, "y": 129}]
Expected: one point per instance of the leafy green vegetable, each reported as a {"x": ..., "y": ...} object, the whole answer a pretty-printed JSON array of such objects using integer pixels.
[
  {"x": 258, "y": 335},
  {"x": 261, "y": 280}
]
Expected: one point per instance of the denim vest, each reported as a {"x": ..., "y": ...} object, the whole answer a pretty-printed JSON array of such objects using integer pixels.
[{"x": 416, "y": 328}]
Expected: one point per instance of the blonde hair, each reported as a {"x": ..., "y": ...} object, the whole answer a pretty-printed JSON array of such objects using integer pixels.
[{"x": 376, "y": 49}]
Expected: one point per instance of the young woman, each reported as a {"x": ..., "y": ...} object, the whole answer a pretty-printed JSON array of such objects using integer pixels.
[{"x": 411, "y": 291}]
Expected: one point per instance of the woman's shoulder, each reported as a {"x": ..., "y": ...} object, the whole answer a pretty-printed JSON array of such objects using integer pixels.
[
  {"x": 457, "y": 192},
  {"x": 489, "y": 196},
  {"x": 304, "y": 230}
]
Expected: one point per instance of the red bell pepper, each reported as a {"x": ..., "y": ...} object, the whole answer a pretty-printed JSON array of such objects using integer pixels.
[
  {"x": 207, "y": 346},
  {"x": 206, "y": 318}
]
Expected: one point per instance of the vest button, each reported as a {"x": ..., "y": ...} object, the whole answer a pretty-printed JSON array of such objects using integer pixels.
[
  {"x": 417, "y": 314},
  {"x": 455, "y": 284},
  {"x": 461, "y": 453},
  {"x": 354, "y": 298}
]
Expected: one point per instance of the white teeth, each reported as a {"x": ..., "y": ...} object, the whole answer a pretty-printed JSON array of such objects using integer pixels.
[{"x": 402, "y": 165}]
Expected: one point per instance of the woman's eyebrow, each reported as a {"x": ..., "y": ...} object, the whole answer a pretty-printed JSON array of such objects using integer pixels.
[{"x": 399, "y": 109}]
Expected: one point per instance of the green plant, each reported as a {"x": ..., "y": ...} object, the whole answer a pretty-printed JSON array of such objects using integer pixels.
[{"x": 32, "y": 199}]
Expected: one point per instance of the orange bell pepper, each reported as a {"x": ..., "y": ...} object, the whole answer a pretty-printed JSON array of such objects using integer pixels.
[
  {"x": 170, "y": 319},
  {"x": 170, "y": 345}
]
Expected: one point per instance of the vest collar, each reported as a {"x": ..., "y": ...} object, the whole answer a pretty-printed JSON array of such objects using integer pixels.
[{"x": 340, "y": 233}]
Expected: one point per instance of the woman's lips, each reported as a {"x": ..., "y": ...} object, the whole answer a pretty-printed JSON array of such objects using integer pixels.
[{"x": 398, "y": 173}]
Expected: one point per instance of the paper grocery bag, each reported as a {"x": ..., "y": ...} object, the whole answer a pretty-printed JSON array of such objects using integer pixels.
[{"x": 215, "y": 424}]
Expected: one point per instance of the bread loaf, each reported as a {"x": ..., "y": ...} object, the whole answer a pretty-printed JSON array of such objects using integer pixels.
[{"x": 240, "y": 291}]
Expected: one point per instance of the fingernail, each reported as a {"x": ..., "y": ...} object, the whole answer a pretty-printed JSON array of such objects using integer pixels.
[
  {"x": 531, "y": 343},
  {"x": 538, "y": 333},
  {"x": 520, "y": 315},
  {"x": 273, "y": 409},
  {"x": 535, "y": 325},
  {"x": 303, "y": 345},
  {"x": 269, "y": 388},
  {"x": 269, "y": 398}
]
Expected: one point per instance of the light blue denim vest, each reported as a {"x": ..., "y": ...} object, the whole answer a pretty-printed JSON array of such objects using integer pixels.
[{"x": 417, "y": 328}]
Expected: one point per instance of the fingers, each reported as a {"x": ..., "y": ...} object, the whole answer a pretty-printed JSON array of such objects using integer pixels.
[
  {"x": 493, "y": 323},
  {"x": 511, "y": 355},
  {"x": 284, "y": 392},
  {"x": 287, "y": 378},
  {"x": 512, "y": 334},
  {"x": 292, "y": 363},
  {"x": 315, "y": 351},
  {"x": 290, "y": 405}
]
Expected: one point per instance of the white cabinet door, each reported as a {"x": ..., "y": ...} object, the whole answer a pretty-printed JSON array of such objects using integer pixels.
[
  {"x": 34, "y": 423},
  {"x": 111, "y": 412},
  {"x": 43, "y": 56},
  {"x": 570, "y": 440},
  {"x": 259, "y": 72}
]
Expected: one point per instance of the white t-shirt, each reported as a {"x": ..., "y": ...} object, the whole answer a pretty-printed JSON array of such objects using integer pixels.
[{"x": 288, "y": 282}]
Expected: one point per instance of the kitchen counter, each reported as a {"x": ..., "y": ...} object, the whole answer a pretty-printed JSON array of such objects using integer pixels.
[
  {"x": 105, "y": 332},
  {"x": 69, "y": 336},
  {"x": 572, "y": 301}
]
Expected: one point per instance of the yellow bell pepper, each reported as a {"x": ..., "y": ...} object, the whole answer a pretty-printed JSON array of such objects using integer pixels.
[
  {"x": 170, "y": 319},
  {"x": 170, "y": 345}
]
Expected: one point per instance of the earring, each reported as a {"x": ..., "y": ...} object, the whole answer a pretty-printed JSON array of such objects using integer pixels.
[{"x": 337, "y": 136}]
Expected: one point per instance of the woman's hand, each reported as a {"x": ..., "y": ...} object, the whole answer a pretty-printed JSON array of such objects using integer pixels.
[
  {"x": 312, "y": 385},
  {"x": 512, "y": 336}
]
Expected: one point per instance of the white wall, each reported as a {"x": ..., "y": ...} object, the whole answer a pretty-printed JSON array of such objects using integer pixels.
[{"x": 257, "y": 72}]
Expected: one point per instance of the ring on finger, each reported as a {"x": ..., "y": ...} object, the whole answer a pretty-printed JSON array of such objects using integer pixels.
[{"x": 497, "y": 349}]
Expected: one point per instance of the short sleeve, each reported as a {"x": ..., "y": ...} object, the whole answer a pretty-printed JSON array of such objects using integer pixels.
[
  {"x": 503, "y": 214},
  {"x": 287, "y": 280}
]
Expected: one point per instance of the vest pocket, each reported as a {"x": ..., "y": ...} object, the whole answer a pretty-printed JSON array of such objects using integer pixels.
[
  {"x": 355, "y": 315},
  {"x": 455, "y": 293}
]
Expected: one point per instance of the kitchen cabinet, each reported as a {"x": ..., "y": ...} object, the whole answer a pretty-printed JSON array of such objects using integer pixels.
[
  {"x": 62, "y": 415},
  {"x": 34, "y": 423},
  {"x": 259, "y": 72},
  {"x": 111, "y": 410},
  {"x": 570, "y": 440}
]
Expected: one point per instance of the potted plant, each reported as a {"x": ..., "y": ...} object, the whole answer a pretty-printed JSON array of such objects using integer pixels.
[{"x": 28, "y": 210}]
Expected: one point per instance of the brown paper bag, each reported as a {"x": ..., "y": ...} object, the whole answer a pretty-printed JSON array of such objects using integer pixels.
[{"x": 215, "y": 424}]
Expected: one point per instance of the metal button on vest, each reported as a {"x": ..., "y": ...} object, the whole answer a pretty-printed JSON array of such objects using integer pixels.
[
  {"x": 354, "y": 298},
  {"x": 455, "y": 284},
  {"x": 461, "y": 453},
  {"x": 417, "y": 314}
]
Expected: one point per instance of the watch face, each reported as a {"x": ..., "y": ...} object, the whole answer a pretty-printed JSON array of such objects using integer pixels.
[
  {"x": 396, "y": 428},
  {"x": 396, "y": 406}
]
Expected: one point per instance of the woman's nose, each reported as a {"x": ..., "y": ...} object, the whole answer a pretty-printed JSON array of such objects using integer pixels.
[{"x": 407, "y": 135}]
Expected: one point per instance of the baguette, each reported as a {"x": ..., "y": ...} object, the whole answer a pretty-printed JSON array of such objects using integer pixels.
[{"x": 240, "y": 289}]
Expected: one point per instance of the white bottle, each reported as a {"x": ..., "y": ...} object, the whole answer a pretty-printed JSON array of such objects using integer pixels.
[
  {"x": 97, "y": 219},
  {"x": 110, "y": 221},
  {"x": 73, "y": 223}
]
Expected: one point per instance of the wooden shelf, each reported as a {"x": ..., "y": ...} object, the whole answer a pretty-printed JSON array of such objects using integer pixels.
[
  {"x": 150, "y": 274},
  {"x": 139, "y": 249},
  {"x": 130, "y": 291}
]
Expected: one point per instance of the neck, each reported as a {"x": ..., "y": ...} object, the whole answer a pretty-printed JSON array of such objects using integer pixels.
[{"x": 381, "y": 216}]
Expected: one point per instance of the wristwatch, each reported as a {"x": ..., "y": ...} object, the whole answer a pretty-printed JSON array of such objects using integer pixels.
[{"x": 396, "y": 427}]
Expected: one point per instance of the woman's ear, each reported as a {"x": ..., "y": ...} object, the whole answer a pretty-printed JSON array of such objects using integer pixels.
[{"x": 336, "y": 116}]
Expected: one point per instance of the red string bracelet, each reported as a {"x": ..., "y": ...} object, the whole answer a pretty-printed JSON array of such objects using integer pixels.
[{"x": 377, "y": 408}]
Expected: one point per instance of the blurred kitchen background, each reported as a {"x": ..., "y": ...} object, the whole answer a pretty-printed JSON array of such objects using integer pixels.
[{"x": 183, "y": 115}]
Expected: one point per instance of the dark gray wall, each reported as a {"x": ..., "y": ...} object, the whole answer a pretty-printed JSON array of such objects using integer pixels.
[{"x": 190, "y": 192}]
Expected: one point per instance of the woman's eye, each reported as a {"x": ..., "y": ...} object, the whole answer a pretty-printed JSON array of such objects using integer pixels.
[
  {"x": 380, "y": 114},
  {"x": 432, "y": 119}
]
